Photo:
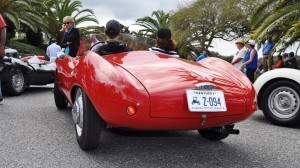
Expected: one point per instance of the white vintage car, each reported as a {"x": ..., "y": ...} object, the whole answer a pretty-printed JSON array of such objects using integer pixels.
[{"x": 278, "y": 96}]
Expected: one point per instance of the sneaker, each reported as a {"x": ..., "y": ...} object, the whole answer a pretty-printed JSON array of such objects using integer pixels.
[{"x": 1, "y": 99}]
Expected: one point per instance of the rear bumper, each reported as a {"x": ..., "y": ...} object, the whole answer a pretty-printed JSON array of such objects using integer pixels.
[{"x": 176, "y": 123}]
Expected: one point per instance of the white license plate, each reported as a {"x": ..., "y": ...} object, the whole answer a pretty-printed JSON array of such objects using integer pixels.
[{"x": 206, "y": 101}]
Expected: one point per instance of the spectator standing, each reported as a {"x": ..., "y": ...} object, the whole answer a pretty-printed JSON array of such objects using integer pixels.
[
  {"x": 71, "y": 39},
  {"x": 164, "y": 43},
  {"x": 285, "y": 58},
  {"x": 279, "y": 63},
  {"x": 2, "y": 46},
  {"x": 267, "y": 57},
  {"x": 53, "y": 49},
  {"x": 204, "y": 54},
  {"x": 291, "y": 61},
  {"x": 112, "y": 45},
  {"x": 238, "y": 58},
  {"x": 251, "y": 60}
]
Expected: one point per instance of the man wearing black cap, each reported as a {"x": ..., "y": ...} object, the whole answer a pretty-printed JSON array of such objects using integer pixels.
[
  {"x": 112, "y": 45},
  {"x": 164, "y": 43}
]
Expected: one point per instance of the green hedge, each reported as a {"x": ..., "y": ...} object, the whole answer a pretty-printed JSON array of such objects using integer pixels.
[{"x": 25, "y": 48}]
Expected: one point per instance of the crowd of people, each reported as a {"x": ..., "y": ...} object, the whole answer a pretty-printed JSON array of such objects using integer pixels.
[
  {"x": 245, "y": 60},
  {"x": 71, "y": 41}
]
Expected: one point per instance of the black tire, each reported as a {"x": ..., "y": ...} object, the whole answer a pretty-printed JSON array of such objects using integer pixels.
[
  {"x": 213, "y": 135},
  {"x": 16, "y": 82},
  {"x": 281, "y": 103},
  {"x": 87, "y": 121},
  {"x": 60, "y": 100}
]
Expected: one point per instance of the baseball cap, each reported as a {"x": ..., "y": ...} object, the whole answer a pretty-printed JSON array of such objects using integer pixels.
[
  {"x": 164, "y": 33},
  {"x": 112, "y": 27}
]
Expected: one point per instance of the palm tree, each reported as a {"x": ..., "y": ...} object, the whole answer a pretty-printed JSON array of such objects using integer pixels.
[
  {"x": 21, "y": 11},
  {"x": 59, "y": 9},
  {"x": 151, "y": 25},
  {"x": 279, "y": 21}
]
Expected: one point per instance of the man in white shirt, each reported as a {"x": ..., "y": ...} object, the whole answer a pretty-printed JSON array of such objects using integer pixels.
[
  {"x": 52, "y": 50},
  {"x": 238, "y": 59}
]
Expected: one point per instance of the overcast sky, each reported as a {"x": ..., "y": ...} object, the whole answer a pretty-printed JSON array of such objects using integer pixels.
[{"x": 128, "y": 11}]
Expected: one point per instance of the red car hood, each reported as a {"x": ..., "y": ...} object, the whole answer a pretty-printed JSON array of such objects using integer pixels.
[{"x": 166, "y": 80}]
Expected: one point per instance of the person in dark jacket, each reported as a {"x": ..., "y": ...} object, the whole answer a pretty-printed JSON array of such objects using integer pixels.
[
  {"x": 291, "y": 61},
  {"x": 112, "y": 45},
  {"x": 71, "y": 39}
]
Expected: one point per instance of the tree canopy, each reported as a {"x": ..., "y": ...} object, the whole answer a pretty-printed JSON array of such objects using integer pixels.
[
  {"x": 278, "y": 21},
  {"x": 196, "y": 25},
  {"x": 151, "y": 25},
  {"x": 16, "y": 12},
  {"x": 54, "y": 15}
]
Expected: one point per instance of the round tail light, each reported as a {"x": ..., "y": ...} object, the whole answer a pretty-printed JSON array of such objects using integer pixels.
[{"x": 131, "y": 110}]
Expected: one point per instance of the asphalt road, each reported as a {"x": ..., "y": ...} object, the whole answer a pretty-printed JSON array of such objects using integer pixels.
[{"x": 34, "y": 133}]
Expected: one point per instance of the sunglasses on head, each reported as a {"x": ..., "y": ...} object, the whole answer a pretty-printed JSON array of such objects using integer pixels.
[{"x": 66, "y": 23}]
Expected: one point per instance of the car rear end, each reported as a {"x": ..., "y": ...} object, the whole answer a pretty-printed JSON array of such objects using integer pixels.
[{"x": 176, "y": 102}]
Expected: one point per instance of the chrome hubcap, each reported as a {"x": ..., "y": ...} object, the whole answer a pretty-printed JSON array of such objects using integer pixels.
[
  {"x": 18, "y": 81},
  {"x": 77, "y": 112},
  {"x": 284, "y": 102}
]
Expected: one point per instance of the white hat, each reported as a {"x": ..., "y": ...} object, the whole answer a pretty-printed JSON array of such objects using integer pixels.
[
  {"x": 239, "y": 41},
  {"x": 251, "y": 42}
]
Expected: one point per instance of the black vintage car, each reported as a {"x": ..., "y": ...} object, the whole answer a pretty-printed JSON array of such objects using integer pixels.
[{"x": 16, "y": 74}]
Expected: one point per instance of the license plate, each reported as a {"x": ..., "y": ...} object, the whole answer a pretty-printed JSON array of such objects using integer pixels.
[{"x": 206, "y": 101}]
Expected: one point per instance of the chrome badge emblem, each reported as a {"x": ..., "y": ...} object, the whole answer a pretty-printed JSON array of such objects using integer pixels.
[{"x": 205, "y": 86}]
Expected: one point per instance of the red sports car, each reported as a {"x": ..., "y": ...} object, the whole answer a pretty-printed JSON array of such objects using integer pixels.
[{"x": 142, "y": 90}]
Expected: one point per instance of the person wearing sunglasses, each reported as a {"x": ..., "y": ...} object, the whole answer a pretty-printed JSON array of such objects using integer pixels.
[{"x": 71, "y": 39}]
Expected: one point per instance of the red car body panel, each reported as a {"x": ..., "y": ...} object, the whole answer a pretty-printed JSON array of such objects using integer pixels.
[{"x": 156, "y": 85}]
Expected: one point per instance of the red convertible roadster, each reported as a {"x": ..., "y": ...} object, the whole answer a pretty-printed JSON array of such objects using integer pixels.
[{"x": 142, "y": 90}]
